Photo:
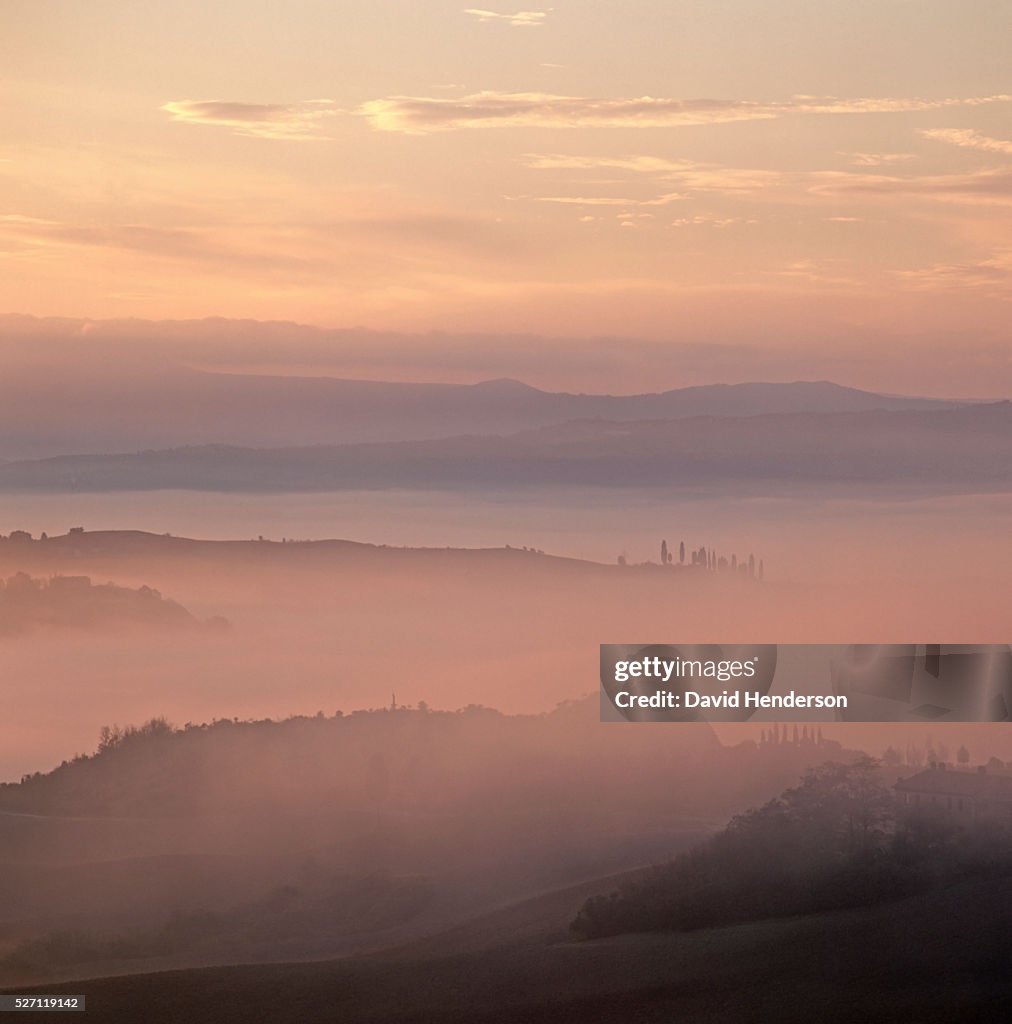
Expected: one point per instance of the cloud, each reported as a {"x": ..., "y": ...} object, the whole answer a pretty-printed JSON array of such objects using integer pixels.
[
  {"x": 422, "y": 114},
  {"x": 297, "y": 121},
  {"x": 877, "y": 159},
  {"x": 968, "y": 139},
  {"x": 712, "y": 222},
  {"x": 166, "y": 243},
  {"x": 993, "y": 274},
  {"x": 664, "y": 200},
  {"x": 993, "y": 186},
  {"x": 688, "y": 175},
  {"x": 519, "y": 19},
  {"x": 20, "y": 219}
]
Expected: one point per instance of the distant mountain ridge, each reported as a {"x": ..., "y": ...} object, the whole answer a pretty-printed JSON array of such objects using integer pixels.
[
  {"x": 938, "y": 450},
  {"x": 121, "y": 410}
]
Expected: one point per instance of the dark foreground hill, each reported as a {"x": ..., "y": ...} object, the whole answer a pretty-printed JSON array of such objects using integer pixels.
[
  {"x": 939, "y": 957},
  {"x": 948, "y": 450},
  {"x": 324, "y": 836}
]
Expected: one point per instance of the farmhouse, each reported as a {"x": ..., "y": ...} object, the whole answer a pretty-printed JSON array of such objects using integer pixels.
[{"x": 968, "y": 797}]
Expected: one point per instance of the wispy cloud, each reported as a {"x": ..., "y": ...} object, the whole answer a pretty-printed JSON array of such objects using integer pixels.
[
  {"x": 19, "y": 219},
  {"x": 702, "y": 220},
  {"x": 166, "y": 243},
  {"x": 663, "y": 200},
  {"x": 295, "y": 121},
  {"x": 421, "y": 114},
  {"x": 993, "y": 186},
  {"x": 877, "y": 159},
  {"x": 688, "y": 175},
  {"x": 968, "y": 139},
  {"x": 518, "y": 19},
  {"x": 992, "y": 274}
]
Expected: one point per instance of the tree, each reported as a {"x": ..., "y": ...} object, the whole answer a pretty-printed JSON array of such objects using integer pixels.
[
  {"x": 751, "y": 565},
  {"x": 963, "y": 756},
  {"x": 845, "y": 801},
  {"x": 681, "y": 552},
  {"x": 762, "y": 570},
  {"x": 621, "y": 559},
  {"x": 664, "y": 552},
  {"x": 108, "y": 737}
]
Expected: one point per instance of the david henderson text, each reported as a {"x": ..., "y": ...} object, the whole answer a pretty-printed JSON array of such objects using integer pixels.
[{"x": 727, "y": 699}]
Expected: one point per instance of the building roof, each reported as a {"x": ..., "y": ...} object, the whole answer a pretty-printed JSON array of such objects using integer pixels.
[{"x": 946, "y": 782}]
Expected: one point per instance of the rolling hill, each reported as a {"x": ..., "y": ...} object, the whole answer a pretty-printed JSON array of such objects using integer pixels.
[{"x": 939, "y": 957}]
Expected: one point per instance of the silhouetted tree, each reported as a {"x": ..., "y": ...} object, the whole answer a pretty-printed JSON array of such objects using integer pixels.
[
  {"x": 681, "y": 552},
  {"x": 963, "y": 756},
  {"x": 664, "y": 552},
  {"x": 751, "y": 565},
  {"x": 762, "y": 570}
]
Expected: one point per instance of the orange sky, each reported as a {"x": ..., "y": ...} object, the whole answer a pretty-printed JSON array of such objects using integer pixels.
[{"x": 762, "y": 172}]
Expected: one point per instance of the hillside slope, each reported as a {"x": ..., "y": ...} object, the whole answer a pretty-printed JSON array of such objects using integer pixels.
[{"x": 936, "y": 958}]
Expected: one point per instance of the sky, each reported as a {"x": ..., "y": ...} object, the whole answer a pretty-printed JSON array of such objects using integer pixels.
[{"x": 773, "y": 174}]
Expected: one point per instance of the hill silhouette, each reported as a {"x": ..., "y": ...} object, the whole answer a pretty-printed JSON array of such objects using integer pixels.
[
  {"x": 27, "y": 603},
  {"x": 343, "y": 834},
  {"x": 834, "y": 841}
]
